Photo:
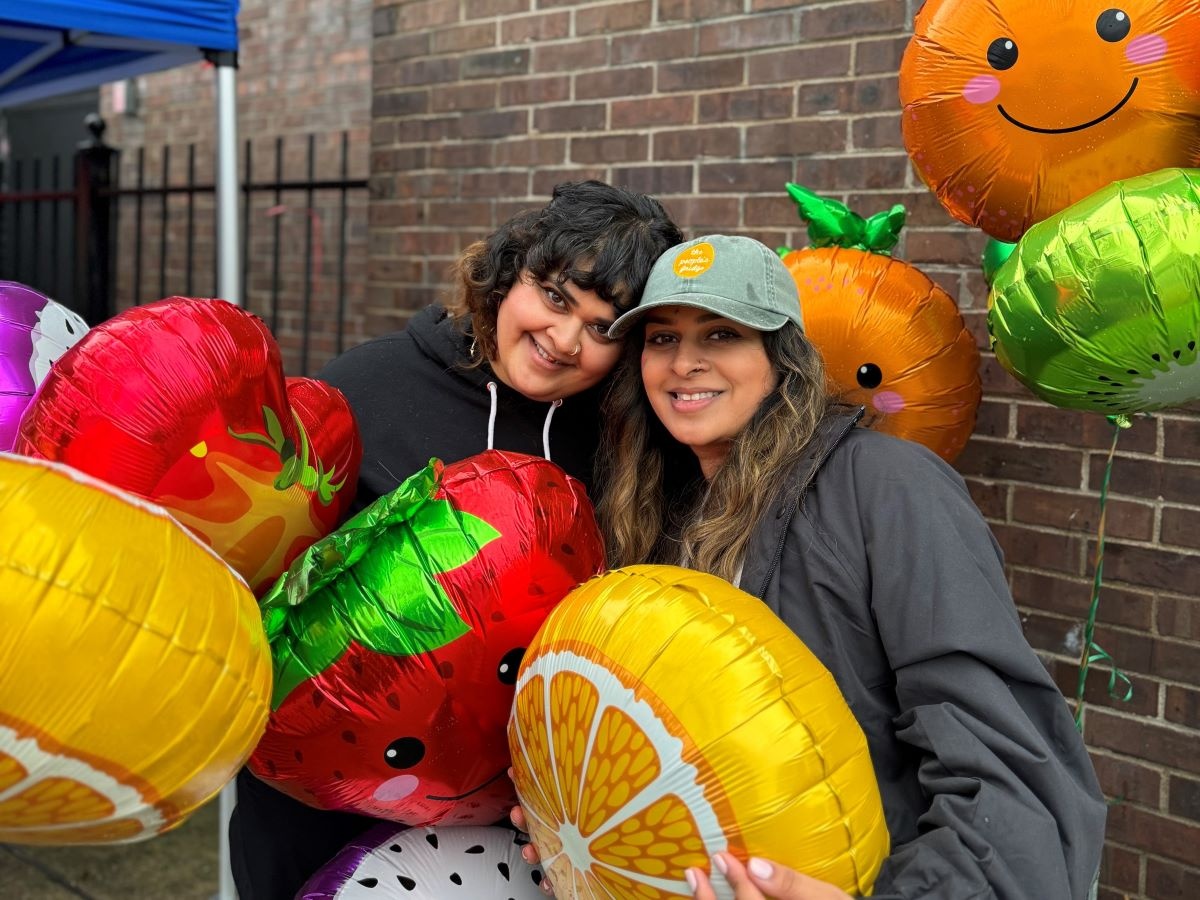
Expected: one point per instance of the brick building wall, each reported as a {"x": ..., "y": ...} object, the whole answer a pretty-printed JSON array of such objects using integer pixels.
[
  {"x": 304, "y": 68},
  {"x": 480, "y": 107}
]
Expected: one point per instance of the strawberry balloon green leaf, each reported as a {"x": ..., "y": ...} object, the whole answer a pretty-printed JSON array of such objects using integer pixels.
[{"x": 390, "y": 602}]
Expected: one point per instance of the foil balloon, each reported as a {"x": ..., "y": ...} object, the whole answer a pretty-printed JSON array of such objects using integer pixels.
[
  {"x": 34, "y": 332},
  {"x": 661, "y": 716},
  {"x": 396, "y": 640},
  {"x": 1098, "y": 309},
  {"x": 134, "y": 672},
  {"x": 184, "y": 402},
  {"x": 1016, "y": 109},
  {"x": 891, "y": 339},
  {"x": 472, "y": 863},
  {"x": 995, "y": 254}
]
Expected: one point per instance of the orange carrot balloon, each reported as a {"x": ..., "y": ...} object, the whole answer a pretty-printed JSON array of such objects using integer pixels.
[
  {"x": 1016, "y": 109},
  {"x": 892, "y": 340}
]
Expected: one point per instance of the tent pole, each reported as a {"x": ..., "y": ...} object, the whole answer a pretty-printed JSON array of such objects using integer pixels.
[
  {"x": 228, "y": 240},
  {"x": 228, "y": 288}
]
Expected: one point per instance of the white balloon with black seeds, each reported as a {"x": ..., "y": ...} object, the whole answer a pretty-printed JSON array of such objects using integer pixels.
[{"x": 390, "y": 863}]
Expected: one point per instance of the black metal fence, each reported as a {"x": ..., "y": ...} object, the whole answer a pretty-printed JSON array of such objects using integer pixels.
[{"x": 103, "y": 230}]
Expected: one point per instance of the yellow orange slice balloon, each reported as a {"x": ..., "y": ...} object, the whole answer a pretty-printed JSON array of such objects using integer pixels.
[
  {"x": 134, "y": 672},
  {"x": 661, "y": 716}
]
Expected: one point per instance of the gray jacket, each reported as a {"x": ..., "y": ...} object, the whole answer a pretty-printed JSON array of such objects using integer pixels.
[{"x": 888, "y": 573}]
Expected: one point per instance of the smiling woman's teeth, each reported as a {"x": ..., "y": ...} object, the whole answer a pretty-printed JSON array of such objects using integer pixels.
[
  {"x": 704, "y": 396},
  {"x": 544, "y": 355}
]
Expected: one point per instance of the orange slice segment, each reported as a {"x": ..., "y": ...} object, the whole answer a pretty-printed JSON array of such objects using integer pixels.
[{"x": 634, "y": 830}]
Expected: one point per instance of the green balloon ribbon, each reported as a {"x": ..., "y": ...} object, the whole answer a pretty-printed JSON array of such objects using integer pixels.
[
  {"x": 1093, "y": 652},
  {"x": 373, "y": 581},
  {"x": 833, "y": 224}
]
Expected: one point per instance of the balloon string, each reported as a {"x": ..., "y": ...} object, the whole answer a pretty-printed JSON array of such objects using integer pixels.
[{"x": 1093, "y": 652}]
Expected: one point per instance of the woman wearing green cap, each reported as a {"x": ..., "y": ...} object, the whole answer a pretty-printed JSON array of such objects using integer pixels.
[{"x": 724, "y": 455}]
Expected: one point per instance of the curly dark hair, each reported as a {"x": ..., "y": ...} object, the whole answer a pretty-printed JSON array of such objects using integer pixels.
[{"x": 602, "y": 238}]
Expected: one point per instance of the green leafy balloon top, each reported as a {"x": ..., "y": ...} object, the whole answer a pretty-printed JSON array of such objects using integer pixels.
[
  {"x": 373, "y": 581},
  {"x": 833, "y": 224}
]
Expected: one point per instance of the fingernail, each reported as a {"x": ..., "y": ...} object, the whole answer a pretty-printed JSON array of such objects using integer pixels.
[
  {"x": 690, "y": 875},
  {"x": 721, "y": 865},
  {"x": 760, "y": 868},
  {"x": 527, "y": 853},
  {"x": 546, "y": 886},
  {"x": 510, "y": 773}
]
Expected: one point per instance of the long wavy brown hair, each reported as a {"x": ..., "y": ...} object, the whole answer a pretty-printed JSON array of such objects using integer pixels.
[
  {"x": 655, "y": 504},
  {"x": 602, "y": 238}
]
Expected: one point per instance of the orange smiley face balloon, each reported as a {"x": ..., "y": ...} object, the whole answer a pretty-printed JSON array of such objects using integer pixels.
[{"x": 1016, "y": 109}]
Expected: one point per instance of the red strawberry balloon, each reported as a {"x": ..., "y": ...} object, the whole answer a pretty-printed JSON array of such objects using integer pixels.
[
  {"x": 396, "y": 640},
  {"x": 184, "y": 402}
]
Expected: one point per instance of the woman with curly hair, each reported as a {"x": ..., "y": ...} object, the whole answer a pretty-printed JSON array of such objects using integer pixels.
[{"x": 518, "y": 361}]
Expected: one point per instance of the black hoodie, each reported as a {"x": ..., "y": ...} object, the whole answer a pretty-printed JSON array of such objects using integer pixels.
[{"x": 415, "y": 398}]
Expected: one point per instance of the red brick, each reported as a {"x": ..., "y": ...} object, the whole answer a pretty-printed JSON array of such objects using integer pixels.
[
  {"x": 857, "y": 172},
  {"x": 956, "y": 246},
  {"x": 610, "y": 18},
  {"x": 645, "y": 112},
  {"x": 1183, "y": 706},
  {"x": 619, "y": 82},
  {"x": 848, "y": 19},
  {"x": 750, "y": 33},
  {"x": 534, "y": 91},
  {"x": 1181, "y": 438},
  {"x": 532, "y": 152},
  {"x": 1143, "y": 739},
  {"x": 701, "y": 75},
  {"x": 609, "y": 148},
  {"x": 483, "y": 9},
  {"x": 673, "y": 43},
  {"x": 1120, "y": 869},
  {"x": 1076, "y": 511},
  {"x": 883, "y": 55},
  {"x": 996, "y": 459},
  {"x": 1170, "y": 881},
  {"x": 749, "y": 105},
  {"x": 1151, "y": 567},
  {"x": 1054, "y": 425},
  {"x": 740, "y": 177},
  {"x": 463, "y": 37},
  {"x": 1179, "y": 617},
  {"x": 1181, "y": 527},
  {"x": 495, "y": 64},
  {"x": 1184, "y": 798},
  {"x": 800, "y": 64},
  {"x": 1126, "y": 781},
  {"x": 695, "y": 10},
  {"x": 799, "y": 136},
  {"x": 542, "y": 27},
  {"x": 876, "y": 132},
  {"x": 569, "y": 117},
  {"x": 701, "y": 214},
  {"x": 1039, "y": 549},
  {"x": 570, "y": 57},
  {"x": 544, "y": 180},
  {"x": 463, "y": 96},
  {"x": 1175, "y": 840},
  {"x": 697, "y": 143},
  {"x": 1072, "y": 596},
  {"x": 655, "y": 180}
]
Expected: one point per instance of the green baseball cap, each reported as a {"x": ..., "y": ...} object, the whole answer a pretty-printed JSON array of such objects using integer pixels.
[{"x": 735, "y": 277}]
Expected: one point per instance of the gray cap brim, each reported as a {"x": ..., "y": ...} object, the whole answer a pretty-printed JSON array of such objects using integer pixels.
[{"x": 742, "y": 313}]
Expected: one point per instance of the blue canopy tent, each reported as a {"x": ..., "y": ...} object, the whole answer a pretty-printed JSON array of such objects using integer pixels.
[{"x": 50, "y": 47}]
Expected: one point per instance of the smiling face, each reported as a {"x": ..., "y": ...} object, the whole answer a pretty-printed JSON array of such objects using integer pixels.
[
  {"x": 705, "y": 377},
  {"x": 1015, "y": 109},
  {"x": 550, "y": 339}
]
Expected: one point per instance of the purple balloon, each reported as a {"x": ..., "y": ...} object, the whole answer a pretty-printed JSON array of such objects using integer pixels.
[{"x": 34, "y": 332}]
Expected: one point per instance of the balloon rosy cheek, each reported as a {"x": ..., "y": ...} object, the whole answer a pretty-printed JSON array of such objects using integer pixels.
[
  {"x": 982, "y": 89},
  {"x": 1147, "y": 48},
  {"x": 887, "y": 401},
  {"x": 396, "y": 788}
]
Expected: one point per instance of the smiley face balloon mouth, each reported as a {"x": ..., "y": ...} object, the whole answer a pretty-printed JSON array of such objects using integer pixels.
[{"x": 1108, "y": 115}]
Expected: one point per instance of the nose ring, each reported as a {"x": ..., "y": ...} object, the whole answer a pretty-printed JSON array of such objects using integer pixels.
[{"x": 575, "y": 352}]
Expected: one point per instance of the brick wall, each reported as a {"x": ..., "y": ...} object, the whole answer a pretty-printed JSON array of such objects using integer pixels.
[
  {"x": 305, "y": 68},
  {"x": 480, "y": 107}
]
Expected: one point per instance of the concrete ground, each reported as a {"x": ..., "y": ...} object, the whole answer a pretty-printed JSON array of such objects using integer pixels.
[{"x": 181, "y": 865}]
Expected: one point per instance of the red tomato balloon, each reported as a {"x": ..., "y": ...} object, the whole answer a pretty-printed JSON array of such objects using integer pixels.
[
  {"x": 396, "y": 640},
  {"x": 1016, "y": 109},
  {"x": 184, "y": 402}
]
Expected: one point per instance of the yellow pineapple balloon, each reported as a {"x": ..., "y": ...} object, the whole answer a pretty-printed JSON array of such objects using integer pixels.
[
  {"x": 134, "y": 671},
  {"x": 663, "y": 715}
]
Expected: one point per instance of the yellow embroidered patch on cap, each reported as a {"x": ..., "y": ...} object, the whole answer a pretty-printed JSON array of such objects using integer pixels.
[{"x": 695, "y": 260}]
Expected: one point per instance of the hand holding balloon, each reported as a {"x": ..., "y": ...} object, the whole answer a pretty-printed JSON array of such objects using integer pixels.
[{"x": 762, "y": 880}]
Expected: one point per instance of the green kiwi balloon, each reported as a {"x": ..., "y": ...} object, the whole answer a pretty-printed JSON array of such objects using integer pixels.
[{"x": 1098, "y": 307}]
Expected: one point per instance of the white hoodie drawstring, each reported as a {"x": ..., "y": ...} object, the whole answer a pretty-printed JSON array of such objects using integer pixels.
[
  {"x": 546, "y": 429},
  {"x": 491, "y": 437},
  {"x": 491, "y": 386}
]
